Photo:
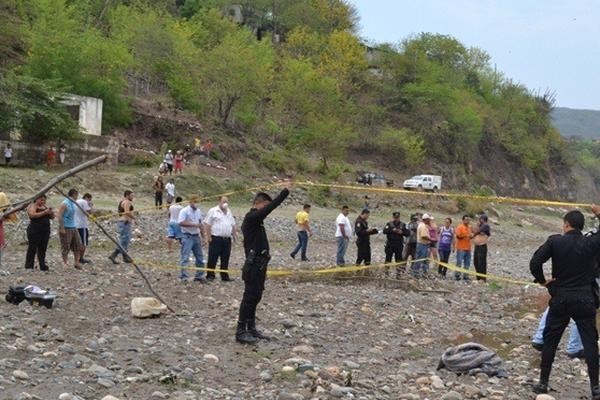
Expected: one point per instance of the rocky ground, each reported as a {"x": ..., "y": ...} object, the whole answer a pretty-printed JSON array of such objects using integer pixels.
[{"x": 333, "y": 337}]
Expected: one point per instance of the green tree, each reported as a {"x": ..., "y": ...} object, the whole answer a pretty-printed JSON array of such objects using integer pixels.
[
  {"x": 31, "y": 106},
  {"x": 311, "y": 110},
  {"x": 83, "y": 60},
  {"x": 235, "y": 77},
  {"x": 11, "y": 43},
  {"x": 408, "y": 148},
  {"x": 162, "y": 50}
]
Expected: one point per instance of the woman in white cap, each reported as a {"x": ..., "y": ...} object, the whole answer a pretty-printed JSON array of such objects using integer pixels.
[{"x": 423, "y": 247}]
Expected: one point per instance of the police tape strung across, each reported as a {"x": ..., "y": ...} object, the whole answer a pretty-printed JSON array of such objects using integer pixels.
[
  {"x": 335, "y": 270},
  {"x": 498, "y": 199}
]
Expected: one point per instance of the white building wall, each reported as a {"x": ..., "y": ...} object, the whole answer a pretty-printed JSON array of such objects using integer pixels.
[{"x": 90, "y": 113}]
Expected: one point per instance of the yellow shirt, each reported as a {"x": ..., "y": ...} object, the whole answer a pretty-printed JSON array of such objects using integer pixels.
[{"x": 301, "y": 220}]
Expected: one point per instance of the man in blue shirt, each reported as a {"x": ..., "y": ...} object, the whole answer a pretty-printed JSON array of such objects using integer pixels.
[
  {"x": 190, "y": 221},
  {"x": 67, "y": 230}
]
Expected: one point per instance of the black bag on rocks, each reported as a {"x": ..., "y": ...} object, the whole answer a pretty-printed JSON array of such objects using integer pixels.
[
  {"x": 33, "y": 294},
  {"x": 16, "y": 294}
]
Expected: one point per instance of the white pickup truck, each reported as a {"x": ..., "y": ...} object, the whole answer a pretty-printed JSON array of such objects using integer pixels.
[{"x": 431, "y": 183}]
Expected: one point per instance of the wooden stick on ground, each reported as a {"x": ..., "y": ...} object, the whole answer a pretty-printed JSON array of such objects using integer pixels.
[
  {"x": 123, "y": 251},
  {"x": 18, "y": 206}
]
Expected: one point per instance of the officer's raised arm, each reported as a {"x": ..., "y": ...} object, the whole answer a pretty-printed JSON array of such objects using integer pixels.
[
  {"x": 536, "y": 264},
  {"x": 268, "y": 209}
]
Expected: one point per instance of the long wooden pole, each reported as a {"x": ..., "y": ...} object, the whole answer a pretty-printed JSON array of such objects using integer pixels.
[
  {"x": 16, "y": 207},
  {"x": 123, "y": 251}
]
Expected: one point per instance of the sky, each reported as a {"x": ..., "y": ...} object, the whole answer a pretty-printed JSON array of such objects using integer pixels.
[{"x": 543, "y": 44}]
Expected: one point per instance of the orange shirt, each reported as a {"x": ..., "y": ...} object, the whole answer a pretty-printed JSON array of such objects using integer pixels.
[{"x": 464, "y": 232}]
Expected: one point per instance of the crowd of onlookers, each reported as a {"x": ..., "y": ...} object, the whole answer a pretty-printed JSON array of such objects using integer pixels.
[
  {"x": 419, "y": 240},
  {"x": 174, "y": 162}
]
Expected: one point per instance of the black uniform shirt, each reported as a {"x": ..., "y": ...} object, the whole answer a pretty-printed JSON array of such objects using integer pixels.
[
  {"x": 395, "y": 238},
  {"x": 253, "y": 228},
  {"x": 361, "y": 228},
  {"x": 574, "y": 258}
]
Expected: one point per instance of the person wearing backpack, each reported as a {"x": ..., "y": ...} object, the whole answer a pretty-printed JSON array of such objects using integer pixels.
[{"x": 446, "y": 245}]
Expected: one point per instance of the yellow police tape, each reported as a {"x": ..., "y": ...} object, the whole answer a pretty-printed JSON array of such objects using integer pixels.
[
  {"x": 305, "y": 184},
  {"x": 335, "y": 270},
  {"x": 498, "y": 199},
  {"x": 490, "y": 277},
  {"x": 116, "y": 214},
  {"x": 281, "y": 272}
]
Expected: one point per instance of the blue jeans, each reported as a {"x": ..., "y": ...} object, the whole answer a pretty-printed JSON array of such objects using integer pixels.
[
  {"x": 463, "y": 260},
  {"x": 421, "y": 266},
  {"x": 342, "y": 246},
  {"x": 302, "y": 244},
  {"x": 191, "y": 244},
  {"x": 124, "y": 231},
  {"x": 574, "y": 345}
]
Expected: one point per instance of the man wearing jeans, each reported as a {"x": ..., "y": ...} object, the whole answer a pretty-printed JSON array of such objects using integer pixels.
[
  {"x": 126, "y": 219},
  {"x": 304, "y": 232},
  {"x": 574, "y": 346},
  {"x": 464, "y": 234},
  {"x": 190, "y": 221},
  {"x": 343, "y": 235},
  {"x": 423, "y": 246}
]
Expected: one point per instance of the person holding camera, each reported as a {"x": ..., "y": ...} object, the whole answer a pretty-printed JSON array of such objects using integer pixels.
[
  {"x": 363, "y": 237},
  {"x": 38, "y": 232}
]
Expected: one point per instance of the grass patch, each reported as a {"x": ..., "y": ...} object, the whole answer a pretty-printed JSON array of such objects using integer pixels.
[
  {"x": 291, "y": 377},
  {"x": 416, "y": 353}
]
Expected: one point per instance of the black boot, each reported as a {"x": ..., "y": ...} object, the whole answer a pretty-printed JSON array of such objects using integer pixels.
[
  {"x": 540, "y": 388},
  {"x": 113, "y": 257},
  {"x": 596, "y": 393},
  {"x": 242, "y": 335},
  {"x": 255, "y": 332}
]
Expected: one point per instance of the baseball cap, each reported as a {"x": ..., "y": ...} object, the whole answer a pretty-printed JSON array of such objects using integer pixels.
[
  {"x": 427, "y": 216},
  {"x": 396, "y": 214}
]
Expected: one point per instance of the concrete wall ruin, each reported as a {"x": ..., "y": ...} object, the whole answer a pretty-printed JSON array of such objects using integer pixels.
[{"x": 28, "y": 154}]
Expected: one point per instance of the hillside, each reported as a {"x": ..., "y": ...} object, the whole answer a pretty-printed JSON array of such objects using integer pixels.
[
  {"x": 575, "y": 123},
  {"x": 315, "y": 100}
]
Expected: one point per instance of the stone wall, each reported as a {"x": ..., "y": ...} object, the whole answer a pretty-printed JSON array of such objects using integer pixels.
[{"x": 29, "y": 154}]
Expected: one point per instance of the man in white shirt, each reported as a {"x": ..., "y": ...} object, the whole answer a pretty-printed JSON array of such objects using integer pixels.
[
  {"x": 81, "y": 223},
  {"x": 170, "y": 189},
  {"x": 220, "y": 230},
  {"x": 343, "y": 235},
  {"x": 173, "y": 229},
  {"x": 190, "y": 221}
]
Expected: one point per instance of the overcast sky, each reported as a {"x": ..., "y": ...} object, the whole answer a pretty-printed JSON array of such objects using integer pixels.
[{"x": 544, "y": 44}]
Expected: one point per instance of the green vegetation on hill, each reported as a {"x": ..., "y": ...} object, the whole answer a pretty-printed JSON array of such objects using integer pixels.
[
  {"x": 426, "y": 99},
  {"x": 583, "y": 124}
]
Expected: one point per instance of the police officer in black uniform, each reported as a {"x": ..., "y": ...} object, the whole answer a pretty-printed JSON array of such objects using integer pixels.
[
  {"x": 573, "y": 291},
  {"x": 363, "y": 237},
  {"x": 254, "y": 272},
  {"x": 396, "y": 231}
]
